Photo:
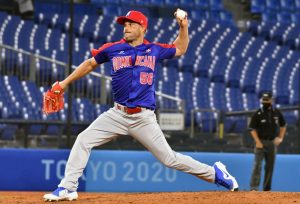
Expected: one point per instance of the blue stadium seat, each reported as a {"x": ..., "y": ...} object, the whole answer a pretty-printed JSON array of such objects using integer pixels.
[
  {"x": 287, "y": 5},
  {"x": 10, "y": 26},
  {"x": 225, "y": 16},
  {"x": 98, "y": 1},
  {"x": 273, "y": 5},
  {"x": 25, "y": 33},
  {"x": 234, "y": 96},
  {"x": 295, "y": 17},
  {"x": 297, "y": 5},
  {"x": 187, "y": 4},
  {"x": 235, "y": 124},
  {"x": 8, "y": 132},
  {"x": 128, "y": 2},
  {"x": 3, "y": 16},
  {"x": 282, "y": 100},
  {"x": 291, "y": 117},
  {"x": 224, "y": 68},
  {"x": 46, "y": 18},
  {"x": 201, "y": 4},
  {"x": 215, "y": 15},
  {"x": 35, "y": 129},
  {"x": 111, "y": 10},
  {"x": 54, "y": 39},
  {"x": 54, "y": 130},
  {"x": 158, "y": 3},
  {"x": 206, "y": 121},
  {"x": 79, "y": 20},
  {"x": 284, "y": 17},
  {"x": 251, "y": 101},
  {"x": 61, "y": 22},
  {"x": 269, "y": 16},
  {"x": 257, "y": 6},
  {"x": 216, "y": 5},
  {"x": 81, "y": 8},
  {"x": 39, "y": 34},
  {"x": 94, "y": 87},
  {"x": 48, "y": 7},
  {"x": 172, "y": 3},
  {"x": 240, "y": 125},
  {"x": 143, "y": 2}
]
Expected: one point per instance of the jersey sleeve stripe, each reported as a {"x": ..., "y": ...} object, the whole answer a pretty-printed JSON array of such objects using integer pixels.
[
  {"x": 105, "y": 46},
  {"x": 165, "y": 45}
]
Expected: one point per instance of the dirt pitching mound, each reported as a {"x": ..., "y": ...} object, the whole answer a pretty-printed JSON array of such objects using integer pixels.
[{"x": 211, "y": 197}]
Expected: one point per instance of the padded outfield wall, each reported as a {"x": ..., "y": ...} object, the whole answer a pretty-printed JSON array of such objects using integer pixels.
[{"x": 131, "y": 171}]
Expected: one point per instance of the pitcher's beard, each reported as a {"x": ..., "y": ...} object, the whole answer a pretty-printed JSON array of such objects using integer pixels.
[{"x": 128, "y": 39}]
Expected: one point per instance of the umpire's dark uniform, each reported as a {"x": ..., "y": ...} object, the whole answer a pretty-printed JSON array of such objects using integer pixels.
[{"x": 267, "y": 129}]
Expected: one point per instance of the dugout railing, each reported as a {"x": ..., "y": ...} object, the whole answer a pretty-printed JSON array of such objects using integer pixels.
[{"x": 237, "y": 134}]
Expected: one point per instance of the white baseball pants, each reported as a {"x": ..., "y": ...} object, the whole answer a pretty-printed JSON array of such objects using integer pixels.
[{"x": 144, "y": 128}]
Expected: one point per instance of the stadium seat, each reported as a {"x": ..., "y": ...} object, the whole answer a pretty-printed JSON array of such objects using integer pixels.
[
  {"x": 272, "y": 5},
  {"x": 186, "y": 4},
  {"x": 297, "y": 5},
  {"x": 172, "y": 3},
  {"x": 226, "y": 17},
  {"x": 111, "y": 10},
  {"x": 224, "y": 69},
  {"x": 295, "y": 17},
  {"x": 284, "y": 17},
  {"x": 157, "y": 3},
  {"x": 287, "y": 5},
  {"x": 3, "y": 16},
  {"x": 98, "y": 1},
  {"x": 257, "y": 6},
  {"x": 201, "y": 4},
  {"x": 269, "y": 16},
  {"x": 35, "y": 129},
  {"x": 8, "y": 132},
  {"x": 216, "y": 5}
]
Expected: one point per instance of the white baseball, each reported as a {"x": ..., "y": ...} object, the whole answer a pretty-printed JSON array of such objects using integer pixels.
[{"x": 181, "y": 14}]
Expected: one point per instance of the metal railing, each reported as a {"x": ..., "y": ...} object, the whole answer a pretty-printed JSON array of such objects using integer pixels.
[
  {"x": 211, "y": 120},
  {"x": 44, "y": 71},
  {"x": 32, "y": 75},
  {"x": 220, "y": 117}
]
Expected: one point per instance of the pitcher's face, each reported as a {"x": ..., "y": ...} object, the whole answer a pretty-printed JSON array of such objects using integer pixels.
[{"x": 132, "y": 31}]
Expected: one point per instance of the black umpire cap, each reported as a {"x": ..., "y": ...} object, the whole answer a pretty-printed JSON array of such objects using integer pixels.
[{"x": 266, "y": 96}]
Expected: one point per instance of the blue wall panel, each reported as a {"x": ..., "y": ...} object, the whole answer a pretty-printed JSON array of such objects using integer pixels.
[
  {"x": 131, "y": 171},
  {"x": 32, "y": 169}
]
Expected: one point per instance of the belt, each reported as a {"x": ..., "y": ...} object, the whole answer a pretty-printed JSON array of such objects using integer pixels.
[{"x": 129, "y": 110}]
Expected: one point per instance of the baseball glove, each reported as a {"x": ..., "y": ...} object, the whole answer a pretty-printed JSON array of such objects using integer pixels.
[{"x": 53, "y": 99}]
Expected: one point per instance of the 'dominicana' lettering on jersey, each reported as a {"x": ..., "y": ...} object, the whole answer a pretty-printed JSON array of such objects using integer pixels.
[
  {"x": 146, "y": 61},
  {"x": 121, "y": 62},
  {"x": 126, "y": 61}
]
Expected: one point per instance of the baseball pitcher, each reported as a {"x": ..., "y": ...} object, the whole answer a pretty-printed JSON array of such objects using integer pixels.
[{"x": 133, "y": 73}]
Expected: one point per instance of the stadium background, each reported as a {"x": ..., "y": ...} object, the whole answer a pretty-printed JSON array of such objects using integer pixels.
[{"x": 237, "y": 50}]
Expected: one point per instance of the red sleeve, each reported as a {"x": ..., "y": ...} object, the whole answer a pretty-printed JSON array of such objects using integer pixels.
[{"x": 101, "y": 54}]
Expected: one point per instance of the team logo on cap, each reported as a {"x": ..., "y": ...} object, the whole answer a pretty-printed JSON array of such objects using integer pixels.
[{"x": 128, "y": 14}]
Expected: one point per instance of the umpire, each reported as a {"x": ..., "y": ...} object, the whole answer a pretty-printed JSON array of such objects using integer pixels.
[{"x": 267, "y": 127}]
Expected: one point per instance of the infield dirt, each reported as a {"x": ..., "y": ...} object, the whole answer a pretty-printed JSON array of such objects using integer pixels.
[{"x": 211, "y": 197}]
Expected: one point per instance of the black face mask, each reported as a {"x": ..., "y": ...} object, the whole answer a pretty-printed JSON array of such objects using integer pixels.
[{"x": 266, "y": 106}]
